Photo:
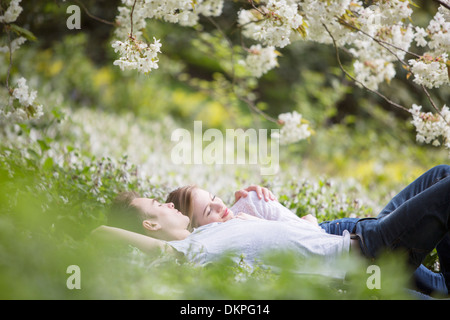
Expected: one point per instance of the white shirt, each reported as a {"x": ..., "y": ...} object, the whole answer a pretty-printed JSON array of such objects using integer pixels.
[{"x": 280, "y": 230}]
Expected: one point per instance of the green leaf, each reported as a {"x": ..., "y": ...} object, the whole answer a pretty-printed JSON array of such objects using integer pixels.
[
  {"x": 43, "y": 144},
  {"x": 48, "y": 164},
  {"x": 23, "y": 32}
]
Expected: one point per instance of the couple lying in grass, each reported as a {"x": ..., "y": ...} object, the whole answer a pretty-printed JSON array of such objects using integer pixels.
[{"x": 198, "y": 225}]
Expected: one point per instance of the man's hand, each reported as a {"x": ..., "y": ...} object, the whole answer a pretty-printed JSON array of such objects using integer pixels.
[{"x": 260, "y": 191}]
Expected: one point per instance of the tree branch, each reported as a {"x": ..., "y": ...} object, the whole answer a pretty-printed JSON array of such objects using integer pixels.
[
  {"x": 354, "y": 79},
  {"x": 131, "y": 18},
  {"x": 8, "y": 32},
  {"x": 434, "y": 105},
  {"x": 442, "y": 3},
  {"x": 253, "y": 107},
  {"x": 382, "y": 43},
  {"x": 92, "y": 16}
]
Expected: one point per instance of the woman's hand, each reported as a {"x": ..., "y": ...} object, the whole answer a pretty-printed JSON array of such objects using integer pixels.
[{"x": 260, "y": 191}]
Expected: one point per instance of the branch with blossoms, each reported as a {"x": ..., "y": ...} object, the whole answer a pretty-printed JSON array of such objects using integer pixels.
[
  {"x": 338, "y": 59},
  {"x": 386, "y": 46},
  {"x": 21, "y": 105},
  {"x": 442, "y": 3},
  {"x": 273, "y": 24}
]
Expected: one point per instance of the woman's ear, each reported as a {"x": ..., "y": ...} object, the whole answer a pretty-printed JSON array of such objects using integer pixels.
[{"x": 150, "y": 225}]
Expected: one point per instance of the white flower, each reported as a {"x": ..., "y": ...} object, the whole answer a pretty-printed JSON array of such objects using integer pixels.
[
  {"x": 420, "y": 36},
  {"x": 21, "y": 93},
  {"x": 260, "y": 60},
  {"x": 293, "y": 129},
  {"x": 12, "y": 12},
  {"x": 430, "y": 72},
  {"x": 431, "y": 127},
  {"x": 272, "y": 24},
  {"x": 371, "y": 73},
  {"x": 27, "y": 108},
  {"x": 135, "y": 54},
  {"x": 15, "y": 44}
]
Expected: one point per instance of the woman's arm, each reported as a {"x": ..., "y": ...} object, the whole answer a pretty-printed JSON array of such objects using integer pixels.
[{"x": 140, "y": 241}]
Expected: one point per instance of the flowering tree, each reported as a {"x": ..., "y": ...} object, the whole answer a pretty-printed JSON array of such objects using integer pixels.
[
  {"x": 378, "y": 35},
  {"x": 21, "y": 105}
]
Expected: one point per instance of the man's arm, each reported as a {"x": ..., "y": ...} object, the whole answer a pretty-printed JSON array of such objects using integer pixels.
[{"x": 140, "y": 241}]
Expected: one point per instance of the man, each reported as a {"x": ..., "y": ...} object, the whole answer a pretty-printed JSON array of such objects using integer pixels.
[{"x": 144, "y": 223}]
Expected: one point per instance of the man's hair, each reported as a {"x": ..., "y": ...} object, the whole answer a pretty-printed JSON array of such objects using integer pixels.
[
  {"x": 123, "y": 214},
  {"x": 182, "y": 200}
]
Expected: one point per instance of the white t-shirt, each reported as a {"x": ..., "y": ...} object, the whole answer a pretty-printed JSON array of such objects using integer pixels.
[{"x": 280, "y": 230}]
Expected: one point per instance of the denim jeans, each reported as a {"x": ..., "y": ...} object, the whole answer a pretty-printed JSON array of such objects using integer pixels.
[
  {"x": 416, "y": 220},
  {"x": 424, "y": 279}
]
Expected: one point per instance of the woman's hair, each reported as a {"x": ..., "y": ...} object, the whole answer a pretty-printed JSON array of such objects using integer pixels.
[
  {"x": 123, "y": 214},
  {"x": 182, "y": 200}
]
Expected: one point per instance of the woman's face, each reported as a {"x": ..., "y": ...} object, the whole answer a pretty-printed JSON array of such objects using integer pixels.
[{"x": 207, "y": 208}]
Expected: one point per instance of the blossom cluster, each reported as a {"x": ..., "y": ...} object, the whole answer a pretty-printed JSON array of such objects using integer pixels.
[
  {"x": 431, "y": 69},
  {"x": 293, "y": 129},
  {"x": 21, "y": 105},
  {"x": 377, "y": 34},
  {"x": 132, "y": 17},
  {"x": 432, "y": 128},
  {"x": 136, "y": 54},
  {"x": 15, "y": 44},
  {"x": 12, "y": 12},
  {"x": 260, "y": 60},
  {"x": 278, "y": 23},
  {"x": 25, "y": 107},
  {"x": 183, "y": 12},
  {"x": 272, "y": 24}
]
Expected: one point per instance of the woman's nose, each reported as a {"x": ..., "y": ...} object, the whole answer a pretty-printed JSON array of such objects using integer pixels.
[{"x": 218, "y": 206}]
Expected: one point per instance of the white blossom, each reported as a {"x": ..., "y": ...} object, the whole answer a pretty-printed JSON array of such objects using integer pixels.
[
  {"x": 26, "y": 108},
  {"x": 12, "y": 12},
  {"x": 135, "y": 54},
  {"x": 272, "y": 24},
  {"x": 15, "y": 44},
  {"x": 430, "y": 72},
  {"x": 293, "y": 128},
  {"x": 432, "y": 127},
  {"x": 420, "y": 36},
  {"x": 260, "y": 60},
  {"x": 431, "y": 69}
]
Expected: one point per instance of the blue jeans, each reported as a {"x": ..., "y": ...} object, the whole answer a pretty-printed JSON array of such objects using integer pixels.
[
  {"x": 425, "y": 280},
  {"x": 417, "y": 220}
]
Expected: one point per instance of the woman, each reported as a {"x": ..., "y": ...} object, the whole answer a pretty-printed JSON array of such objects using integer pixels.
[
  {"x": 203, "y": 208},
  {"x": 429, "y": 193}
]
